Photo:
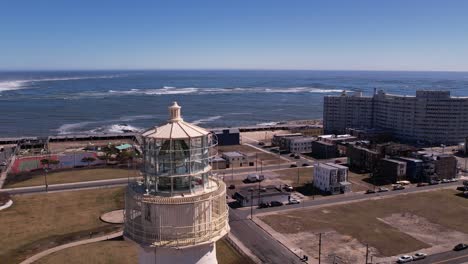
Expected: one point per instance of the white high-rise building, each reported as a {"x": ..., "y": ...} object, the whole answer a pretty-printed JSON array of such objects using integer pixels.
[
  {"x": 178, "y": 213},
  {"x": 433, "y": 117}
]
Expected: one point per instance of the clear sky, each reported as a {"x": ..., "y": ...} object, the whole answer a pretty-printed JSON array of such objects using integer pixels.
[{"x": 223, "y": 34}]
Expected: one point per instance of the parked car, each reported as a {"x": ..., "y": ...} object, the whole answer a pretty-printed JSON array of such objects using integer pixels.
[
  {"x": 254, "y": 178},
  {"x": 434, "y": 182},
  {"x": 419, "y": 256},
  {"x": 453, "y": 180},
  {"x": 292, "y": 155},
  {"x": 294, "y": 201},
  {"x": 422, "y": 184},
  {"x": 404, "y": 259},
  {"x": 263, "y": 205},
  {"x": 462, "y": 188},
  {"x": 370, "y": 191},
  {"x": 288, "y": 188},
  {"x": 261, "y": 143},
  {"x": 232, "y": 186},
  {"x": 382, "y": 189},
  {"x": 460, "y": 246},
  {"x": 297, "y": 157},
  {"x": 275, "y": 203},
  {"x": 293, "y": 166},
  {"x": 403, "y": 182},
  {"x": 305, "y": 164},
  {"x": 445, "y": 181},
  {"x": 398, "y": 187}
]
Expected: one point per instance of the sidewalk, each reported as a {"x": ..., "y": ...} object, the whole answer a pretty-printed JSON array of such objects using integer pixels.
[{"x": 72, "y": 244}]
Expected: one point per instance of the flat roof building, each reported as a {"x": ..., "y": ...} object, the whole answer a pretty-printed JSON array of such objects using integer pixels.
[{"x": 432, "y": 117}]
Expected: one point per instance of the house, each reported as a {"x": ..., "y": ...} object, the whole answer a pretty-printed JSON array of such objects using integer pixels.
[
  {"x": 414, "y": 168},
  {"x": 279, "y": 139},
  {"x": 237, "y": 159},
  {"x": 324, "y": 150},
  {"x": 218, "y": 163},
  {"x": 331, "y": 178},
  {"x": 298, "y": 144},
  {"x": 256, "y": 196},
  {"x": 362, "y": 158},
  {"x": 391, "y": 170}
]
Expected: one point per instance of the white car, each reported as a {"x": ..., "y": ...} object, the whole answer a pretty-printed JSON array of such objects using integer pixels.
[
  {"x": 404, "y": 259},
  {"x": 419, "y": 256},
  {"x": 294, "y": 201}
]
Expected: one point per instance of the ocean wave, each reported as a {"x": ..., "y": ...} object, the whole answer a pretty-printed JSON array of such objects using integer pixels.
[
  {"x": 23, "y": 84},
  {"x": 11, "y": 85},
  {"x": 268, "y": 124},
  {"x": 169, "y": 90},
  {"x": 104, "y": 126},
  {"x": 206, "y": 120},
  {"x": 115, "y": 128}
]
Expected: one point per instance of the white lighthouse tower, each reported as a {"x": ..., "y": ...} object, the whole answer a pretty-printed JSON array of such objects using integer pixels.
[{"x": 178, "y": 213}]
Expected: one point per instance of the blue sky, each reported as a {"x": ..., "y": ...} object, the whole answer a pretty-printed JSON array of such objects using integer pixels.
[{"x": 255, "y": 34}]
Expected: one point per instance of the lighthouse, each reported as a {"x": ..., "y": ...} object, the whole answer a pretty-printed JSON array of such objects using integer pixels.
[{"x": 178, "y": 212}]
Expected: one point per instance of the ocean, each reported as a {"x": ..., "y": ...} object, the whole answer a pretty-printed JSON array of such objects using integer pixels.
[{"x": 67, "y": 102}]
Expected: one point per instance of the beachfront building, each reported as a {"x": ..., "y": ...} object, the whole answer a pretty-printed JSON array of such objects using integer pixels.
[
  {"x": 179, "y": 211},
  {"x": 331, "y": 178},
  {"x": 433, "y": 117}
]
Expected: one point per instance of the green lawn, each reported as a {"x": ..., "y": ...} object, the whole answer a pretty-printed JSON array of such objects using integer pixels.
[
  {"x": 76, "y": 175},
  {"x": 359, "y": 220},
  {"x": 40, "y": 221}
]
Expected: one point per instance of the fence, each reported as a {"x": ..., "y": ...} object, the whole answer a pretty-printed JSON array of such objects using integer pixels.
[{"x": 69, "y": 160}]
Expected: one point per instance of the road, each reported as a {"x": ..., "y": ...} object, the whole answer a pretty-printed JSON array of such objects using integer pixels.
[
  {"x": 449, "y": 257},
  {"x": 358, "y": 196},
  {"x": 266, "y": 248}
]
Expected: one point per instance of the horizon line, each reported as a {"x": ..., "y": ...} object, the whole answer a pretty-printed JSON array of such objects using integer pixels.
[{"x": 223, "y": 69}]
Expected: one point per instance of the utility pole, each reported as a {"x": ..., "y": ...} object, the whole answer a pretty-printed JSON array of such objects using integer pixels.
[
  {"x": 297, "y": 175},
  {"x": 320, "y": 247},
  {"x": 45, "y": 179},
  {"x": 256, "y": 161},
  {"x": 251, "y": 204},
  {"x": 367, "y": 252},
  {"x": 261, "y": 166}
]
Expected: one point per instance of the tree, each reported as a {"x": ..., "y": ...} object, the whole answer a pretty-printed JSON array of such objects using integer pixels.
[
  {"x": 45, "y": 162},
  {"x": 88, "y": 160}
]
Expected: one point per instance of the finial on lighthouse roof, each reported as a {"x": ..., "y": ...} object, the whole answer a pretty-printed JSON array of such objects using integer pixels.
[{"x": 174, "y": 113}]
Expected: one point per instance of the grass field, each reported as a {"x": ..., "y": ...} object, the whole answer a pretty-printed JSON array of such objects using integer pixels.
[
  {"x": 359, "y": 220},
  {"x": 290, "y": 175},
  {"x": 124, "y": 252},
  {"x": 76, "y": 175},
  {"x": 40, "y": 221},
  {"x": 265, "y": 158}
]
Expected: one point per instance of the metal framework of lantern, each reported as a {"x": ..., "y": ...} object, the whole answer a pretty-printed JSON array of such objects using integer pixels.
[{"x": 177, "y": 213}]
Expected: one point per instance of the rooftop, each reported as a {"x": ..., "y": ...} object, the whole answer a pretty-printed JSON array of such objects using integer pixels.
[
  {"x": 233, "y": 154},
  {"x": 176, "y": 128}
]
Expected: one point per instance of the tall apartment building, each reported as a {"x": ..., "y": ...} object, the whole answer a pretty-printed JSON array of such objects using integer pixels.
[
  {"x": 347, "y": 111},
  {"x": 432, "y": 117}
]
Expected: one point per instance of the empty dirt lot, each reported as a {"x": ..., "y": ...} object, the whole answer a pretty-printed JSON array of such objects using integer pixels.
[{"x": 390, "y": 226}]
